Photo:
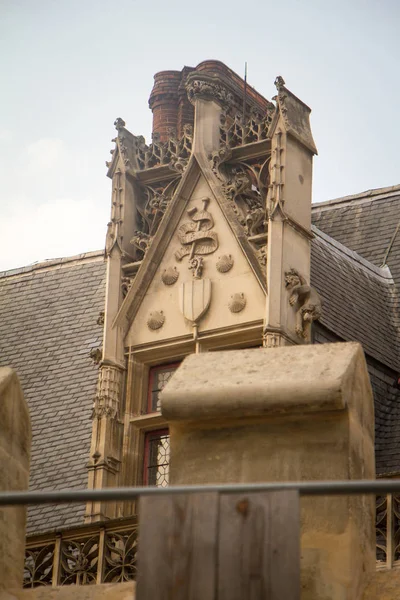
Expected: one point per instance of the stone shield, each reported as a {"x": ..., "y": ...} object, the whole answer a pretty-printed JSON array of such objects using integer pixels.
[{"x": 195, "y": 298}]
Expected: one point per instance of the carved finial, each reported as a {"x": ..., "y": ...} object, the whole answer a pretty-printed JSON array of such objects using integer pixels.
[
  {"x": 279, "y": 82},
  {"x": 119, "y": 123}
]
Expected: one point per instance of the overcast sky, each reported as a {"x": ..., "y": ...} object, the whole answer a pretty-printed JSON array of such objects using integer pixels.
[{"x": 69, "y": 68}]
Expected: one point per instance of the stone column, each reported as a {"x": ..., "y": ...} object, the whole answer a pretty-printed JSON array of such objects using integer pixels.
[
  {"x": 15, "y": 446},
  {"x": 289, "y": 224},
  {"x": 296, "y": 413}
]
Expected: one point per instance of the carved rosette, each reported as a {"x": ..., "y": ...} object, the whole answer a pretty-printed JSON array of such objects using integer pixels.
[
  {"x": 156, "y": 320},
  {"x": 108, "y": 391},
  {"x": 237, "y": 302}
]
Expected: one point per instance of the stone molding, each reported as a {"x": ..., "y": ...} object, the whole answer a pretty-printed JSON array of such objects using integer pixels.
[{"x": 314, "y": 385}]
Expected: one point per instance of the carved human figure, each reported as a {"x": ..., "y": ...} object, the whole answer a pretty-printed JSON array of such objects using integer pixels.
[{"x": 307, "y": 300}]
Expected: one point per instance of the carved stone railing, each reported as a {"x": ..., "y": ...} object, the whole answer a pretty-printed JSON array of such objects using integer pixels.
[
  {"x": 96, "y": 553},
  {"x": 106, "y": 552},
  {"x": 388, "y": 531},
  {"x": 174, "y": 152},
  {"x": 235, "y": 132}
]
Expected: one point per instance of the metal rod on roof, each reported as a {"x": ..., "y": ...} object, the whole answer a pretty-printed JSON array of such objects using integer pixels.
[
  {"x": 390, "y": 245},
  {"x": 309, "y": 488},
  {"x": 244, "y": 95}
]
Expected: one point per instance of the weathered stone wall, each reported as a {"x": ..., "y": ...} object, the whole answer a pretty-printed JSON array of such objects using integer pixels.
[
  {"x": 15, "y": 445},
  {"x": 285, "y": 414},
  {"x": 113, "y": 591}
]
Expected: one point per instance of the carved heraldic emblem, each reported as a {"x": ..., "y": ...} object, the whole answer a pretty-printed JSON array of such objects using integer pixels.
[{"x": 197, "y": 238}]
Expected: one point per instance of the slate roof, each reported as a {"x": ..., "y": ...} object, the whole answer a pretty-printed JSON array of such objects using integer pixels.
[
  {"x": 359, "y": 300},
  {"x": 47, "y": 329},
  {"x": 368, "y": 223}
]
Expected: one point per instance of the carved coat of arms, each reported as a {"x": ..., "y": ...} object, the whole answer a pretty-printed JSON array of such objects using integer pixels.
[{"x": 197, "y": 240}]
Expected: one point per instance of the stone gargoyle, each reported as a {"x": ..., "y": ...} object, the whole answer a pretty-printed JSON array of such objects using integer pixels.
[{"x": 306, "y": 301}]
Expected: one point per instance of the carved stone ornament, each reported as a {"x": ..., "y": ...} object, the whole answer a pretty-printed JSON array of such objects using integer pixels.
[
  {"x": 224, "y": 263},
  {"x": 126, "y": 284},
  {"x": 306, "y": 301},
  {"x": 96, "y": 355},
  {"x": 141, "y": 241},
  {"x": 237, "y": 302},
  {"x": 261, "y": 254},
  {"x": 170, "y": 275},
  {"x": 207, "y": 89},
  {"x": 156, "y": 320},
  {"x": 195, "y": 298},
  {"x": 196, "y": 238},
  {"x": 119, "y": 123},
  {"x": 107, "y": 396}
]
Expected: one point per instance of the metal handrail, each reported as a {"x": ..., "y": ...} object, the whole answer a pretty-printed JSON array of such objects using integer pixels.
[{"x": 313, "y": 488}]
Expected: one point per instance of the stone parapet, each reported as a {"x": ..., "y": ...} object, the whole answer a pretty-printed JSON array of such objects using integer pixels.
[
  {"x": 297, "y": 413},
  {"x": 15, "y": 446}
]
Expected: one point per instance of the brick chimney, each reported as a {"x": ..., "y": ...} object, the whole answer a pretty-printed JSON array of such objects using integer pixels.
[
  {"x": 164, "y": 102},
  {"x": 169, "y": 103}
]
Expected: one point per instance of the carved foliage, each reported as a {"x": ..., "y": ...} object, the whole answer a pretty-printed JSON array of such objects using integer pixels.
[
  {"x": 120, "y": 557},
  {"x": 305, "y": 299},
  {"x": 38, "y": 568},
  {"x": 151, "y": 207},
  {"x": 79, "y": 560},
  {"x": 208, "y": 89},
  {"x": 245, "y": 186}
]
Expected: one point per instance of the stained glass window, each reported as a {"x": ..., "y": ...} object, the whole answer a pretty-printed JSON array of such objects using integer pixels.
[
  {"x": 159, "y": 377},
  {"x": 156, "y": 458}
]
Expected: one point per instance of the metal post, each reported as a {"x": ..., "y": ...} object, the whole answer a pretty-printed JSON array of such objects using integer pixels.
[{"x": 389, "y": 532}]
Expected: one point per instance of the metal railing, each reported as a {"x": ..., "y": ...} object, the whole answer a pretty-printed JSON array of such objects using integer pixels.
[{"x": 106, "y": 552}]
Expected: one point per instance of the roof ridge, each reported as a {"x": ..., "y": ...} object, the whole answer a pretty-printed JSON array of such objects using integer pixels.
[
  {"x": 368, "y": 195},
  {"x": 52, "y": 263},
  {"x": 380, "y": 272}
]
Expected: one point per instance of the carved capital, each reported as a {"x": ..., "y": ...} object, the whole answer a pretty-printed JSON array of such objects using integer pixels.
[{"x": 207, "y": 88}]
